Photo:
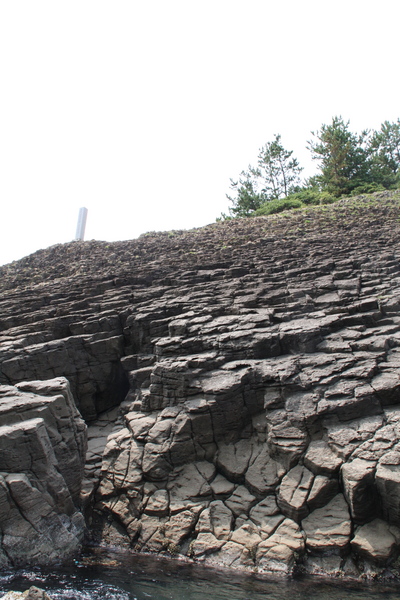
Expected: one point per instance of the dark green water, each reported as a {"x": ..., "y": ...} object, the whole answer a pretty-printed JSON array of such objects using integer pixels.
[{"x": 121, "y": 577}]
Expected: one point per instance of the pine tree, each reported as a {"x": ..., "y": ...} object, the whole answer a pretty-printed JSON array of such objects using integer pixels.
[
  {"x": 276, "y": 176},
  {"x": 343, "y": 157}
]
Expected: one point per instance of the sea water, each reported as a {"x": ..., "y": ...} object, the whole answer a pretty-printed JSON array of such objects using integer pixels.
[{"x": 115, "y": 576}]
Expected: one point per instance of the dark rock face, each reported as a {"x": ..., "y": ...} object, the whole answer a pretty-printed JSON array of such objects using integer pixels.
[
  {"x": 42, "y": 454},
  {"x": 256, "y": 367}
]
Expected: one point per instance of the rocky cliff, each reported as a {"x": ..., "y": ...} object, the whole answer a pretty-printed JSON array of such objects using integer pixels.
[
  {"x": 240, "y": 383},
  {"x": 42, "y": 455}
]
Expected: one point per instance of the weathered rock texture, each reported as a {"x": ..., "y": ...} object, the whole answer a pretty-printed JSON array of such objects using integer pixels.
[
  {"x": 42, "y": 454},
  {"x": 33, "y": 593},
  {"x": 255, "y": 364}
]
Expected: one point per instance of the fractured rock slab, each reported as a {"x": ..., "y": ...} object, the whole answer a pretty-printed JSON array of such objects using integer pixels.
[
  {"x": 277, "y": 552},
  {"x": 264, "y": 473},
  {"x": 42, "y": 453},
  {"x": 328, "y": 529},
  {"x": 377, "y": 541},
  {"x": 320, "y": 459},
  {"x": 388, "y": 483},
  {"x": 294, "y": 491},
  {"x": 359, "y": 489}
]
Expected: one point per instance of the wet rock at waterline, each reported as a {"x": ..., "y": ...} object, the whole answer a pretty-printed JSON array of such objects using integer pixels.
[
  {"x": 33, "y": 593},
  {"x": 240, "y": 384}
]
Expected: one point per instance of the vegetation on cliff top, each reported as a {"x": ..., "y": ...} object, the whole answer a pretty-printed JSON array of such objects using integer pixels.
[{"x": 348, "y": 164}]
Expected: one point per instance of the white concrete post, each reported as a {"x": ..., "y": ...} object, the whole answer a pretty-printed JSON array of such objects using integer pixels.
[{"x": 80, "y": 228}]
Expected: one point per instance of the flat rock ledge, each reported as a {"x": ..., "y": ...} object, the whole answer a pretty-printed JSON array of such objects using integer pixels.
[{"x": 241, "y": 387}]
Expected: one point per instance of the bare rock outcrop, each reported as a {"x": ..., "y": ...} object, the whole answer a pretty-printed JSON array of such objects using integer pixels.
[
  {"x": 240, "y": 383},
  {"x": 42, "y": 453}
]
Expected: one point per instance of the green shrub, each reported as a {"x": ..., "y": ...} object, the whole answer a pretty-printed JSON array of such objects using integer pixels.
[
  {"x": 326, "y": 198},
  {"x": 277, "y": 206},
  {"x": 307, "y": 196},
  {"x": 313, "y": 197},
  {"x": 368, "y": 188}
]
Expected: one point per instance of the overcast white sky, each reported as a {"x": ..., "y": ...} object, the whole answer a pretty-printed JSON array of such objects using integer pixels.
[{"x": 142, "y": 111}]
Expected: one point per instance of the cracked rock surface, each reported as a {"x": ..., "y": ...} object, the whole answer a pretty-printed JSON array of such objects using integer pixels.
[
  {"x": 42, "y": 454},
  {"x": 241, "y": 384}
]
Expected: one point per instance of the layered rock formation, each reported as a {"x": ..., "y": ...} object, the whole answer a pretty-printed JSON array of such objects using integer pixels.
[
  {"x": 42, "y": 455},
  {"x": 254, "y": 365}
]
